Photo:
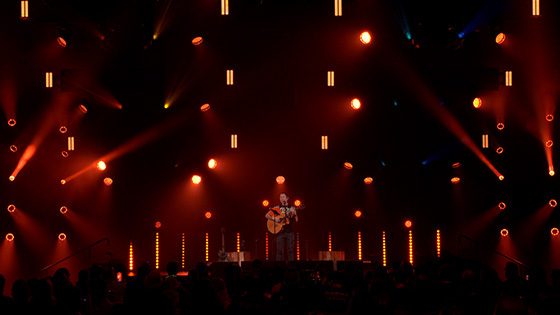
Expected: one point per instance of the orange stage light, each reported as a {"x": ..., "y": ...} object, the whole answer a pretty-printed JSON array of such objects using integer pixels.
[
  {"x": 62, "y": 129},
  {"x": 62, "y": 237},
  {"x": 504, "y": 232},
  {"x": 356, "y": 104},
  {"x": 63, "y": 209},
  {"x": 384, "y": 250},
  {"x": 501, "y": 177},
  {"x": 456, "y": 165},
  {"x": 205, "y": 107},
  {"x": 212, "y": 164},
  {"x": 64, "y": 153},
  {"x": 455, "y": 180},
  {"x": 83, "y": 108},
  {"x": 265, "y": 203},
  {"x": 502, "y": 205},
  {"x": 61, "y": 41},
  {"x": 549, "y": 143},
  {"x": 297, "y": 203},
  {"x": 156, "y": 249},
  {"x": 208, "y": 215},
  {"x": 549, "y": 117},
  {"x": 358, "y": 213},
  {"x": 12, "y": 178},
  {"x": 477, "y": 102},
  {"x": 11, "y": 208},
  {"x": 158, "y": 224},
  {"x": 554, "y": 231},
  {"x": 108, "y": 181},
  {"x": 365, "y": 38},
  {"x": 500, "y": 38},
  {"x": 368, "y": 180},
  {"x": 24, "y": 10},
  {"x": 552, "y": 203},
  {"x": 10, "y": 237},
  {"x": 551, "y": 172},
  {"x": 62, "y": 181},
  {"x": 280, "y": 180},
  {"x": 196, "y": 179},
  {"x": 500, "y": 150},
  {"x": 359, "y": 245},
  {"x": 408, "y": 224},
  {"x": 101, "y": 166},
  {"x": 13, "y": 148},
  {"x": 11, "y": 122},
  {"x": 348, "y": 165},
  {"x": 500, "y": 126},
  {"x": 197, "y": 41}
]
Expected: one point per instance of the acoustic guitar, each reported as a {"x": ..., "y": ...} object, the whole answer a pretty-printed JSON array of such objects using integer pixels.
[{"x": 275, "y": 227}]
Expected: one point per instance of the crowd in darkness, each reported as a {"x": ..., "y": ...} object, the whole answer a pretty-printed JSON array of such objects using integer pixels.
[{"x": 440, "y": 286}]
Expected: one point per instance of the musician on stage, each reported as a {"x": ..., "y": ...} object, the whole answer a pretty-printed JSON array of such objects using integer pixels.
[{"x": 285, "y": 215}]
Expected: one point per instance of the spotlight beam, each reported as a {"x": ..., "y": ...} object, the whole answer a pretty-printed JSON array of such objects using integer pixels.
[
  {"x": 431, "y": 103},
  {"x": 487, "y": 13},
  {"x": 135, "y": 143}
]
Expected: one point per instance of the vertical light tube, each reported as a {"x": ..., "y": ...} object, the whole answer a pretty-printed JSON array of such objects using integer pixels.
[
  {"x": 438, "y": 243},
  {"x": 183, "y": 251},
  {"x": 238, "y": 242},
  {"x": 157, "y": 250},
  {"x": 330, "y": 78},
  {"x": 266, "y": 246},
  {"x": 384, "y": 251},
  {"x": 131, "y": 257},
  {"x": 225, "y": 7},
  {"x": 297, "y": 247},
  {"x": 410, "y": 248},
  {"x": 206, "y": 247},
  {"x": 359, "y": 245}
]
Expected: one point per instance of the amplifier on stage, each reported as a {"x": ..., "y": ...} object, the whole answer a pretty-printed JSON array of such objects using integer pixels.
[{"x": 239, "y": 256}]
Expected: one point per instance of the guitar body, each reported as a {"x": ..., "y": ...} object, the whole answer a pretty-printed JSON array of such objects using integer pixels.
[{"x": 276, "y": 227}]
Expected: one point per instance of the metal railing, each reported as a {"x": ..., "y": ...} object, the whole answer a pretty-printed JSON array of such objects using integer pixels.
[{"x": 88, "y": 248}]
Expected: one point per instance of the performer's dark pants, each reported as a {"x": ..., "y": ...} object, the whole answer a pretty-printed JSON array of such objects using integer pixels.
[{"x": 281, "y": 240}]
